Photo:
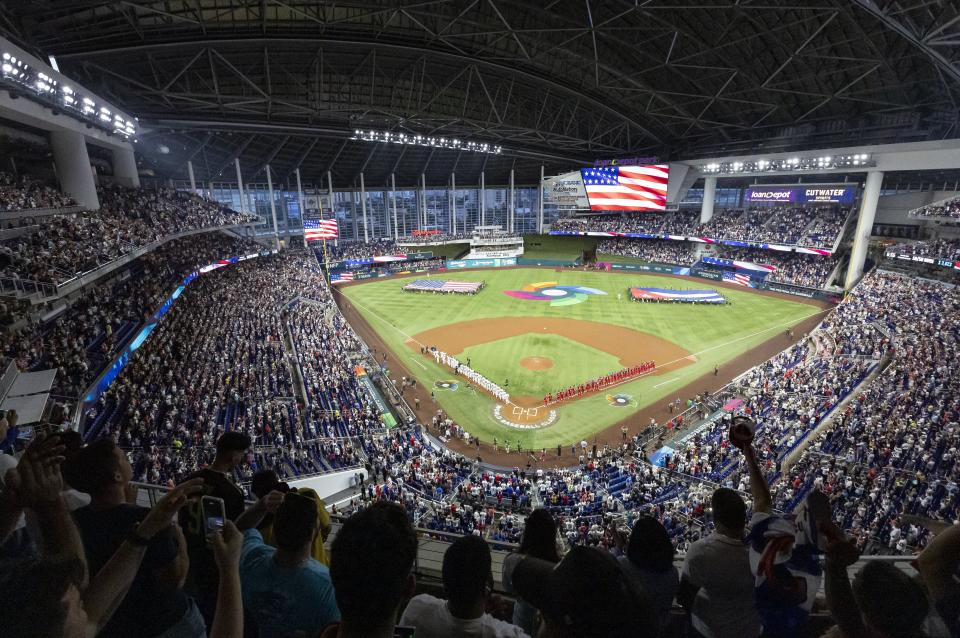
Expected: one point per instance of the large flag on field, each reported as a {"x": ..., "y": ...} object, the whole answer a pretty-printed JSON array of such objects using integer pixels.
[
  {"x": 627, "y": 187},
  {"x": 317, "y": 229},
  {"x": 440, "y": 285},
  {"x": 670, "y": 294}
]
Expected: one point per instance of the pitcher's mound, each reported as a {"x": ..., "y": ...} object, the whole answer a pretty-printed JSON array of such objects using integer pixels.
[{"x": 537, "y": 363}]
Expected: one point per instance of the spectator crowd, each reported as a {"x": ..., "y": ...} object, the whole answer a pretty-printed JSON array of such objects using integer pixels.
[
  {"x": 25, "y": 192},
  {"x": 799, "y": 269},
  {"x": 669, "y": 252},
  {"x": 949, "y": 208},
  {"x": 250, "y": 379},
  {"x": 129, "y": 218}
]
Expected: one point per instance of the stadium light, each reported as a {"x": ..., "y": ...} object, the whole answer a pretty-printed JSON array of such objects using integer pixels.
[
  {"x": 826, "y": 162},
  {"x": 387, "y": 137},
  {"x": 17, "y": 76}
]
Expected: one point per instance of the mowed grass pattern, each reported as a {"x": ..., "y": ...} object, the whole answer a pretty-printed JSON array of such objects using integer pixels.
[
  {"x": 500, "y": 361},
  {"x": 715, "y": 334}
]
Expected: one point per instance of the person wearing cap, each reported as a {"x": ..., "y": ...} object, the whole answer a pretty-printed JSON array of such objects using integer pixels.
[
  {"x": 716, "y": 584},
  {"x": 584, "y": 595},
  {"x": 468, "y": 584},
  {"x": 285, "y": 590},
  {"x": 266, "y": 481},
  {"x": 218, "y": 482}
]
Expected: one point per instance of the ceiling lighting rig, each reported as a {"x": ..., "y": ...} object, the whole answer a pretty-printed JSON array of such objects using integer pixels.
[
  {"x": 16, "y": 75},
  {"x": 826, "y": 162},
  {"x": 430, "y": 141}
]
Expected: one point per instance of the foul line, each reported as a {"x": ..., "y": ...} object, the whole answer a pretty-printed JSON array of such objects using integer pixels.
[
  {"x": 417, "y": 362},
  {"x": 375, "y": 314},
  {"x": 640, "y": 376},
  {"x": 667, "y": 381},
  {"x": 719, "y": 345}
]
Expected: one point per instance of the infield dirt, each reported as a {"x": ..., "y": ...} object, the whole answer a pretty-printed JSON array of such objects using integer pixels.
[
  {"x": 631, "y": 347},
  {"x": 611, "y": 434}
]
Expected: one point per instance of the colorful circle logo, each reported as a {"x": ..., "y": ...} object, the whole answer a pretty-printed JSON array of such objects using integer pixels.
[
  {"x": 621, "y": 400},
  {"x": 445, "y": 385},
  {"x": 556, "y": 295}
]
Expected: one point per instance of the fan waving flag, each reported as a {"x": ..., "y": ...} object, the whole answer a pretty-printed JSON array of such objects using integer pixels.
[
  {"x": 627, "y": 187},
  {"x": 317, "y": 229}
]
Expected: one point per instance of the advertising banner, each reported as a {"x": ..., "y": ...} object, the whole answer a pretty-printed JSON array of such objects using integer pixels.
[
  {"x": 650, "y": 267},
  {"x": 943, "y": 263},
  {"x": 566, "y": 191},
  {"x": 481, "y": 263},
  {"x": 816, "y": 194},
  {"x": 707, "y": 274}
]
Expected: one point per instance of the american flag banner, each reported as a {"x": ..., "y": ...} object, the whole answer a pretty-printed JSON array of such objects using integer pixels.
[
  {"x": 735, "y": 278},
  {"x": 340, "y": 277},
  {"x": 627, "y": 187},
  {"x": 317, "y": 229},
  {"x": 439, "y": 285}
]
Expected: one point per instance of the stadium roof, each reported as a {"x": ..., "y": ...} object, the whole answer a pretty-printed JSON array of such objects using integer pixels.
[{"x": 555, "y": 83}]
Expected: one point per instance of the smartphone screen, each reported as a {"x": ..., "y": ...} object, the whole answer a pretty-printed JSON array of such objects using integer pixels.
[{"x": 213, "y": 514}]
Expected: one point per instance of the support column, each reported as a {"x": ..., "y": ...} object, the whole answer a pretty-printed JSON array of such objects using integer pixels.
[
  {"x": 423, "y": 200},
  {"x": 243, "y": 198},
  {"x": 73, "y": 168},
  {"x": 193, "y": 182},
  {"x": 386, "y": 215},
  {"x": 540, "y": 199},
  {"x": 393, "y": 200},
  {"x": 363, "y": 208},
  {"x": 453, "y": 201},
  {"x": 709, "y": 197},
  {"x": 273, "y": 210},
  {"x": 861, "y": 238},
  {"x": 300, "y": 204},
  {"x": 483, "y": 200},
  {"x": 512, "y": 211},
  {"x": 125, "y": 170}
]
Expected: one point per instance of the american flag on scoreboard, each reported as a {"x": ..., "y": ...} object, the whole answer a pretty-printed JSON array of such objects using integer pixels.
[
  {"x": 317, "y": 229},
  {"x": 440, "y": 285},
  {"x": 340, "y": 277},
  {"x": 627, "y": 187},
  {"x": 735, "y": 278}
]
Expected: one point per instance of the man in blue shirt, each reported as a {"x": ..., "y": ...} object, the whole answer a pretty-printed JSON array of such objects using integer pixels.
[{"x": 286, "y": 592}]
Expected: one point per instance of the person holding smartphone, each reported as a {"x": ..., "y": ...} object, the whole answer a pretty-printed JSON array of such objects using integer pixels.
[
  {"x": 218, "y": 482},
  {"x": 156, "y": 602}
]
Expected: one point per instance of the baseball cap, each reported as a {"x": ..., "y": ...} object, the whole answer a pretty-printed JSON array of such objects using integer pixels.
[
  {"x": 585, "y": 594},
  {"x": 266, "y": 481}
]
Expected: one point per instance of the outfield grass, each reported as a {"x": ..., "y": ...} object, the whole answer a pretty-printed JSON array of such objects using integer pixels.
[{"x": 715, "y": 334}]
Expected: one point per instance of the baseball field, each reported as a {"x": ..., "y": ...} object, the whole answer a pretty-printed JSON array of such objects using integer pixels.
[{"x": 534, "y": 331}]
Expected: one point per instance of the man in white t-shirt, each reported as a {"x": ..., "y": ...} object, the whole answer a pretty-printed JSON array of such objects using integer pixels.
[
  {"x": 467, "y": 583},
  {"x": 716, "y": 584}
]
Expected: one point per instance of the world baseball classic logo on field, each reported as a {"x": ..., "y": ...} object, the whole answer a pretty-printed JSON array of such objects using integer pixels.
[{"x": 556, "y": 295}]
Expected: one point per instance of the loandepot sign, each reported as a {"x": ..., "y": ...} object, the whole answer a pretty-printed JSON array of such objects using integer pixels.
[{"x": 818, "y": 194}]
